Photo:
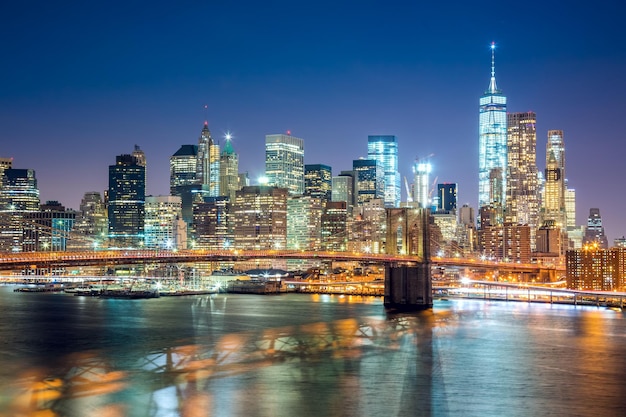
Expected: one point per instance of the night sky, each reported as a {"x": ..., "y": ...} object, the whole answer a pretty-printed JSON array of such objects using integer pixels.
[{"x": 82, "y": 82}]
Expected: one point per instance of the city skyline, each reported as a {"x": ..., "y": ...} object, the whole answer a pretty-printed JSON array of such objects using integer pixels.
[{"x": 81, "y": 100}]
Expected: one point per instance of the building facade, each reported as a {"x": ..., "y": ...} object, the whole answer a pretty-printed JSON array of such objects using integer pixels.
[
  {"x": 447, "y": 197},
  {"x": 318, "y": 181},
  {"x": 126, "y": 203},
  {"x": 229, "y": 170},
  {"x": 163, "y": 225},
  {"x": 259, "y": 217},
  {"x": 594, "y": 232},
  {"x": 212, "y": 228},
  {"x": 184, "y": 181},
  {"x": 284, "y": 162},
  {"x": 304, "y": 223},
  {"x": 522, "y": 193},
  {"x": 208, "y": 163},
  {"x": 368, "y": 180},
  {"x": 19, "y": 196}
]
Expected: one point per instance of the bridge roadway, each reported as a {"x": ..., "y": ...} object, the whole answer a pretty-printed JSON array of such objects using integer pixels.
[{"x": 33, "y": 260}]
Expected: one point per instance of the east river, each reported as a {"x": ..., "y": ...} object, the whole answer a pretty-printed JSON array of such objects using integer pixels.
[{"x": 306, "y": 355}]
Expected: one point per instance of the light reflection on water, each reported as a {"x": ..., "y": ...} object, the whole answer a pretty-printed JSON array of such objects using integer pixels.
[{"x": 305, "y": 355}]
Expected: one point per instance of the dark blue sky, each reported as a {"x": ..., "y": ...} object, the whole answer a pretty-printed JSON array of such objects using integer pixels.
[{"x": 82, "y": 82}]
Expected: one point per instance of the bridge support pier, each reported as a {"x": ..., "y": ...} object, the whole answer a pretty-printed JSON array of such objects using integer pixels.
[{"x": 408, "y": 288}]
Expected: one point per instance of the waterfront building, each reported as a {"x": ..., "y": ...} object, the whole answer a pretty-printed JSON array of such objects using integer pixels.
[
  {"x": 48, "y": 229},
  {"x": 421, "y": 183},
  {"x": 492, "y": 145},
  {"x": 593, "y": 268},
  {"x": 506, "y": 242},
  {"x": 162, "y": 226},
  {"x": 304, "y": 223},
  {"x": 384, "y": 149},
  {"x": 368, "y": 180},
  {"x": 595, "y": 231},
  {"x": 284, "y": 162},
  {"x": 318, "y": 181},
  {"x": 335, "y": 226},
  {"x": 447, "y": 197},
  {"x": 229, "y": 170},
  {"x": 19, "y": 196},
  {"x": 522, "y": 198},
  {"x": 259, "y": 215},
  {"x": 126, "y": 202},
  {"x": 212, "y": 228},
  {"x": 90, "y": 226},
  {"x": 208, "y": 163},
  {"x": 184, "y": 181}
]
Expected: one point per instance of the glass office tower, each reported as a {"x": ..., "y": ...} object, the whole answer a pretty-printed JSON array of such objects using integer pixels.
[
  {"x": 384, "y": 149},
  {"x": 492, "y": 150}
]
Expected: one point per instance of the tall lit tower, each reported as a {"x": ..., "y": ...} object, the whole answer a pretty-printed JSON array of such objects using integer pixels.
[
  {"x": 492, "y": 152},
  {"x": 522, "y": 198},
  {"x": 554, "y": 187},
  {"x": 384, "y": 148},
  {"x": 229, "y": 170},
  {"x": 208, "y": 165},
  {"x": 421, "y": 188},
  {"x": 284, "y": 162}
]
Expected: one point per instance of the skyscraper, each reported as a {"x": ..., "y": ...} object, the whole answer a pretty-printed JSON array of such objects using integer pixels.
[
  {"x": 318, "y": 181},
  {"x": 421, "y": 183},
  {"x": 594, "y": 233},
  {"x": 554, "y": 183},
  {"x": 126, "y": 204},
  {"x": 49, "y": 228},
  {"x": 90, "y": 228},
  {"x": 259, "y": 217},
  {"x": 492, "y": 152},
  {"x": 284, "y": 162},
  {"x": 447, "y": 197},
  {"x": 369, "y": 179},
  {"x": 162, "y": 226},
  {"x": 208, "y": 163},
  {"x": 19, "y": 196},
  {"x": 304, "y": 216},
  {"x": 384, "y": 148},
  {"x": 343, "y": 189},
  {"x": 522, "y": 198},
  {"x": 229, "y": 170},
  {"x": 183, "y": 178}
]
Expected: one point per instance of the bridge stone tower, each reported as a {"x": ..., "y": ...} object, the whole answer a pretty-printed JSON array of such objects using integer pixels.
[{"x": 408, "y": 287}]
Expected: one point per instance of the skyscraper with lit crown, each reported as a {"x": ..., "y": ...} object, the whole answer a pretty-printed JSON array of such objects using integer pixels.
[
  {"x": 554, "y": 187},
  {"x": 492, "y": 148},
  {"x": 208, "y": 163},
  {"x": 229, "y": 170}
]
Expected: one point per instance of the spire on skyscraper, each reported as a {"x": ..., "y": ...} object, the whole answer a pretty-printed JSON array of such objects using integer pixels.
[{"x": 493, "y": 88}]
